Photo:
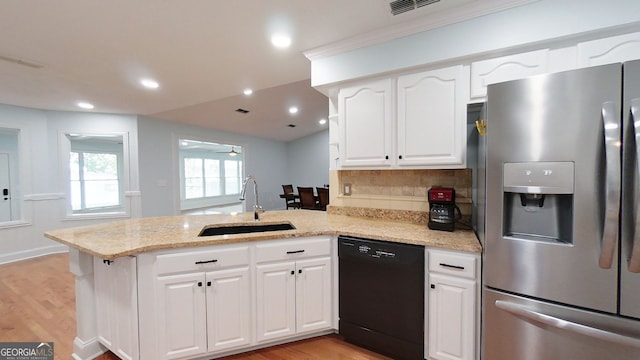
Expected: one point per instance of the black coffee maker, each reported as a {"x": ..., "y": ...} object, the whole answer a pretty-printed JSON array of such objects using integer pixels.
[{"x": 443, "y": 211}]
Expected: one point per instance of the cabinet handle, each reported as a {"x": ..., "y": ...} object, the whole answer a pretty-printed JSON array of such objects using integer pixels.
[
  {"x": 208, "y": 283},
  {"x": 299, "y": 271},
  {"x": 433, "y": 286},
  {"x": 200, "y": 283},
  {"x": 108, "y": 262},
  {"x": 452, "y": 266},
  {"x": 206, "y": 261},
  {"x": 293, "y": 272},
  {"x": 386, "y": 157},
  {"x": 295, "y": 252},
  {"x": 400, "y": 157}
]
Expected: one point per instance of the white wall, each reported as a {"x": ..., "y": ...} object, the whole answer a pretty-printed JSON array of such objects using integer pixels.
[
  {"x": 153, "y": 183},
  {"x": 159, "y": 181},
  {"x": 43, "y": 199},
  {"x": 539, "y": 21},
  {"x": 308, "y": 160}
]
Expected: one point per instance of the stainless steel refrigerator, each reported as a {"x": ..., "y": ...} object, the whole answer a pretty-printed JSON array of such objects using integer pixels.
[{"x": 562, "y": 241}]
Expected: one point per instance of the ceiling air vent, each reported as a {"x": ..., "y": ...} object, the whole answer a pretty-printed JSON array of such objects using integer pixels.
[{"x": 402, "y": 6}]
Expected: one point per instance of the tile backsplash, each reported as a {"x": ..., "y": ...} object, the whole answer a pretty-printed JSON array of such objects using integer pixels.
[
  {"x": 405, "y": 182},
  {"x": 402, "y": 190}
]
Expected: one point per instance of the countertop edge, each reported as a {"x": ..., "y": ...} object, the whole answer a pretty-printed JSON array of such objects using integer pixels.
[{"x": 459, "y": 240}]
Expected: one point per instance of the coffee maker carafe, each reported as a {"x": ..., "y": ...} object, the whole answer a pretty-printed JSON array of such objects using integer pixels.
[{"x": 443, "y": 211}]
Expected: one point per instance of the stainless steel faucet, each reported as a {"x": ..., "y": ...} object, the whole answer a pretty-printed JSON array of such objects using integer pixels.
[{"x": 257, "y": 209}]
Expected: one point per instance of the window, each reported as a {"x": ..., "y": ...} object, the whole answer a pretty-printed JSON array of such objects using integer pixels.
[
  {"x": 211, "y": 174},
  {"x": 96, "y": 173}
]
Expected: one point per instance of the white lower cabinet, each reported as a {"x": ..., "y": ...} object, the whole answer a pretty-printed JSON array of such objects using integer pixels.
[
  {"x": 293, "y": 296},
  {"x": 116, "y": 292},
  {"x": 220, "y": 299},
  {"x": 453, "y": 310},
  {"x": 203, "y": 312}
]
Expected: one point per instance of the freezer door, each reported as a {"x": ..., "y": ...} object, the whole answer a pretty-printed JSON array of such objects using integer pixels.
[
  {"x": 630, "y": 244},
  {"x": 560, "y": 245},
  {"x": 520, "y": 328}
]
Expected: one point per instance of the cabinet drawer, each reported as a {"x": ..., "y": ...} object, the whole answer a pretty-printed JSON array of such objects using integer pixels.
[
  {"x": 455, "y": 264},
  {"x": 293, "y": 249},
  {"x": 202, "y": 260}
]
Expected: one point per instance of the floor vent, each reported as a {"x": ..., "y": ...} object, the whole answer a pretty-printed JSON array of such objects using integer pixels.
[{"x": 401, "y": 6}]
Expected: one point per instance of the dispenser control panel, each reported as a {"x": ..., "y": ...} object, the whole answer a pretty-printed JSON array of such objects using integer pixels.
[{"x": 441, "y": 194}]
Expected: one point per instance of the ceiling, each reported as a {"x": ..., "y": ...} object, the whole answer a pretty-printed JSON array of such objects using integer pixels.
[{"x": 203, "y": 53}]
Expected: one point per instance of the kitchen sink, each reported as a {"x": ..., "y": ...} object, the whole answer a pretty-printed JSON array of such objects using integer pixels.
[{"x": 225, "y": 229}]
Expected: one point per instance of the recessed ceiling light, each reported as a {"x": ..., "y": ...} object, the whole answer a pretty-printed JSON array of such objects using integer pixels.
[
  {"x": 85, "y": 105},
  {"x": 149, "y": 84},
  {"x": 322, "y": 121},
  {"x": 248, "y": 92},
  {"x": 281, "y": 41},
  {"x": 293, "y": 110}
]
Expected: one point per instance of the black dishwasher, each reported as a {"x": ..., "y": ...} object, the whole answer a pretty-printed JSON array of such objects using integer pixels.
[{"x": 381, "y": 294}]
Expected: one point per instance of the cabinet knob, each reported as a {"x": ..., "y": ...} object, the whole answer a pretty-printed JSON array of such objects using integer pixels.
[
  {"x": 386, "y": 157},
  {"x": 199, "y": 283},
  {"x": 400, "y": 157},
  {"x": 433, "y": 286},
  {"x": 299, "y": 271},
  {"x": 208, "y": 283},
  {"x": 293, "y": 272}
]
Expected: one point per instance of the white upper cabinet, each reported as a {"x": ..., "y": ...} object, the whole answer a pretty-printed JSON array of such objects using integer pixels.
[
  {"x": 421, "y": 123},
  {"x": 609, "y": 50},
  {"x": 431, "y": 118},
  {"x": 366, "y": 124},
  {"x": 505, "y": 68}
]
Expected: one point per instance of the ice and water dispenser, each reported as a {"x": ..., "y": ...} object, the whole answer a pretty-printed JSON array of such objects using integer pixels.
[{"x": 538, "y": 201}]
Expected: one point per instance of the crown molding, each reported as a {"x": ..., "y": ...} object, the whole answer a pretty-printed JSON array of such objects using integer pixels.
[{"x": 452, "y": 16}]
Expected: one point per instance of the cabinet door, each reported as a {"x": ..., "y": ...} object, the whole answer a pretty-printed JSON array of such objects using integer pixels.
[
  {"x": 366, "y": 124},
  {"x": 432, "y": 118},
  {"x": 505, "y": 68},
  {"x": 451, "y": 318},
  {"x": 181, "y": 316},
  {"x": 276, "y": 308},
  {"x": 610, "y": 50},
  {"x": 116, "y": 305},
  {"x": 313, "y": 294},
  {"x": 228, "y": 309}
]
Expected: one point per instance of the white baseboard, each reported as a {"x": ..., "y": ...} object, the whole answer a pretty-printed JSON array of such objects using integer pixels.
[{"x": 32, "y": 253}]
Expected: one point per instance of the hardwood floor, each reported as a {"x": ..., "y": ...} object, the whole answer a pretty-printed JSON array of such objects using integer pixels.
[{"x": 37, "y": 303}]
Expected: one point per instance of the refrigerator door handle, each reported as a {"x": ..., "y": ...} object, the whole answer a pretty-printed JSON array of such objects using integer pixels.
[
  {"x": 634, "y": 260},
  {"x": 612, "y": 158},
  {"x": 527, "y": 313}
]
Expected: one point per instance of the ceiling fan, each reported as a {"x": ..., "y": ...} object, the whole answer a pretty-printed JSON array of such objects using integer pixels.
[{"x": 232, "y": 152}]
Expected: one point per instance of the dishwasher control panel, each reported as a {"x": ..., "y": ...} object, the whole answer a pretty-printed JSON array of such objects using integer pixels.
[{"x": 375, "y": 249}]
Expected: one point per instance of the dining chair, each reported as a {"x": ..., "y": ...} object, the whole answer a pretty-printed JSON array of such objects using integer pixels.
[
  {"x": 323, "y": 198},
  {"x": 307, "y": 199},
  {"x": 289, "y": 197}
]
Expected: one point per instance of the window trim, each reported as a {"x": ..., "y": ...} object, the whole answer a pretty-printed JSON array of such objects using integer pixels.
[
  {"x": 207, "y": 201},
  {"x": 124, "y": 210}
]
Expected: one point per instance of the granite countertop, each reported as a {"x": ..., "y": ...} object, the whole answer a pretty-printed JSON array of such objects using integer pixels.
[{"x": 131, "y": 237}]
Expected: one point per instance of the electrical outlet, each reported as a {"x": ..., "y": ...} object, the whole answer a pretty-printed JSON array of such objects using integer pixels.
[{"x": 347, "y": 190}]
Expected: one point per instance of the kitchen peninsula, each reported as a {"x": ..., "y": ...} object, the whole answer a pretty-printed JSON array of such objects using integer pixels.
[{"x": 138, "y": 281}]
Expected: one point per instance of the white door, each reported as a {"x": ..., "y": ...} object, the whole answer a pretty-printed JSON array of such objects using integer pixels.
[
  {"x": 182, "y": 320},
  {"x": 432, "y": 115},
  {"x": 313, "y": 294},
  {"x": 276, "y": 297},
  {"x": 5, "y": 190},
  {"x": 451, "y": 318},
  {"x": 366, "y": 124},
  {"x": 228, "y": 309}
]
